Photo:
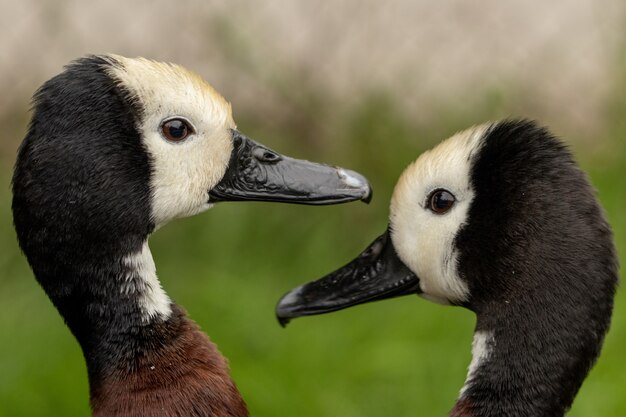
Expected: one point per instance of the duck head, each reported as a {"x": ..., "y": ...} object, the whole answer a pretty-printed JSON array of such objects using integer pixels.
[
  {"x": 118, "y": 144},
  {"x": 465, "y": 218},
  {"x": 500, "y": 220},
  {"x": 183, "y": 130},
  {"x": 418, "y": 253}
]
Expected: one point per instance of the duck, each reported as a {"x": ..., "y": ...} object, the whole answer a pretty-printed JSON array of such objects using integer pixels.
[
  {"x": 500, "y": 220},
  {"x": 116, "y": 148}
]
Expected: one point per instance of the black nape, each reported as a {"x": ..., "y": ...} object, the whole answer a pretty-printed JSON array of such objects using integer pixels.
[
  {"x": 81, "y": 180},
  {"x": 81, "y": 197},
  {"x": 538, "y": 257}
]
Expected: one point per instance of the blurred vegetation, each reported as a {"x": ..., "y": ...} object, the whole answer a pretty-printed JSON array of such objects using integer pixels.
[{"x": 228, "y": 267}]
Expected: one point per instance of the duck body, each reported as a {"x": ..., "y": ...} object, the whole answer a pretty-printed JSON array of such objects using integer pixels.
[
  {"x": 500, "y": 220},
  {"x": 168, "y": 368},
  {"x": 116, "y": 148}
]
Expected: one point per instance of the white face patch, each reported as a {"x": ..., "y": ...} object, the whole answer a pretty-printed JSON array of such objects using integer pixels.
[
  {"x": 482, "y": 347},
  {"x": 142, "y": 280},
  {"x": 425, "y": 240},
  {"x": 183, "y": 172}
]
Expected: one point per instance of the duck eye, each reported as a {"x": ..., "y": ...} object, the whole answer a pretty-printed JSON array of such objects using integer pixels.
[
  {"x": 176, "y": 130},
  {"x": 440, "y": 201}
]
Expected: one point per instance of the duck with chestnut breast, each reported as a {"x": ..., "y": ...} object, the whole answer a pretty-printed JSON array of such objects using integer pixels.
[
  {"x": 500, "y": 220},
  {"x": 116, "y": 148}
]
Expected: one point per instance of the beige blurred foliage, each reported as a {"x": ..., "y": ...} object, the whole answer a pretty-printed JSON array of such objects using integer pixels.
[{"x": 559, "y": 61}]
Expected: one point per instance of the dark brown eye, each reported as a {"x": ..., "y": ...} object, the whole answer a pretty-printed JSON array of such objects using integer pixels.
[
  {"x": 176, "y": 130},
  {"x": 440, "y": 201}
]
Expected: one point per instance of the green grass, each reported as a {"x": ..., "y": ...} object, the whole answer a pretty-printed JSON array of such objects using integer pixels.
[{"x": 228, "y": 267}]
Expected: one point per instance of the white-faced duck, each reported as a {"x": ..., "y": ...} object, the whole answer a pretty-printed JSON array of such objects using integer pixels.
[
  {"x": 500, "y": 220},
  {"x": 116, "y": 148}
]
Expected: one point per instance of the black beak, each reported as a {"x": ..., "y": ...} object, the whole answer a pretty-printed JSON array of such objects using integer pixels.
[
  {"x": 377, "y": 274},
  {"x": 256, "y": 173}
]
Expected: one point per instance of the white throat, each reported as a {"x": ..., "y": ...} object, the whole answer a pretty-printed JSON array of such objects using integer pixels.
[
  {"x": 482, "y": 348},
  {"x": 141, "y": 280}
]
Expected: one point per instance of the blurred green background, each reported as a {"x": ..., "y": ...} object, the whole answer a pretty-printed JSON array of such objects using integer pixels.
[{"x": 363, "y": 84}]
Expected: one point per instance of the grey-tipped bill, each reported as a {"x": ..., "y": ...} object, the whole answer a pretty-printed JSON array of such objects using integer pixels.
[
  {"x": 256, "y": 173},
  {"x": 376, "y": 274}
]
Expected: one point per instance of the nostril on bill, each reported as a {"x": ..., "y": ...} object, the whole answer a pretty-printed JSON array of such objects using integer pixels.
[{"x": 265, "y": 155}]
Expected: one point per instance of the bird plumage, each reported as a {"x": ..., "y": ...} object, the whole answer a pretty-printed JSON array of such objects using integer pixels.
[
  {"x": 524, "y": 245},
  {"x": 102, "y": 167}
]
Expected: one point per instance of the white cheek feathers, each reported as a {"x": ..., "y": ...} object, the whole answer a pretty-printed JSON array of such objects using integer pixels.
[
  {"x": 425, "y": 240},
  {"x": 182, "y": 173}
]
